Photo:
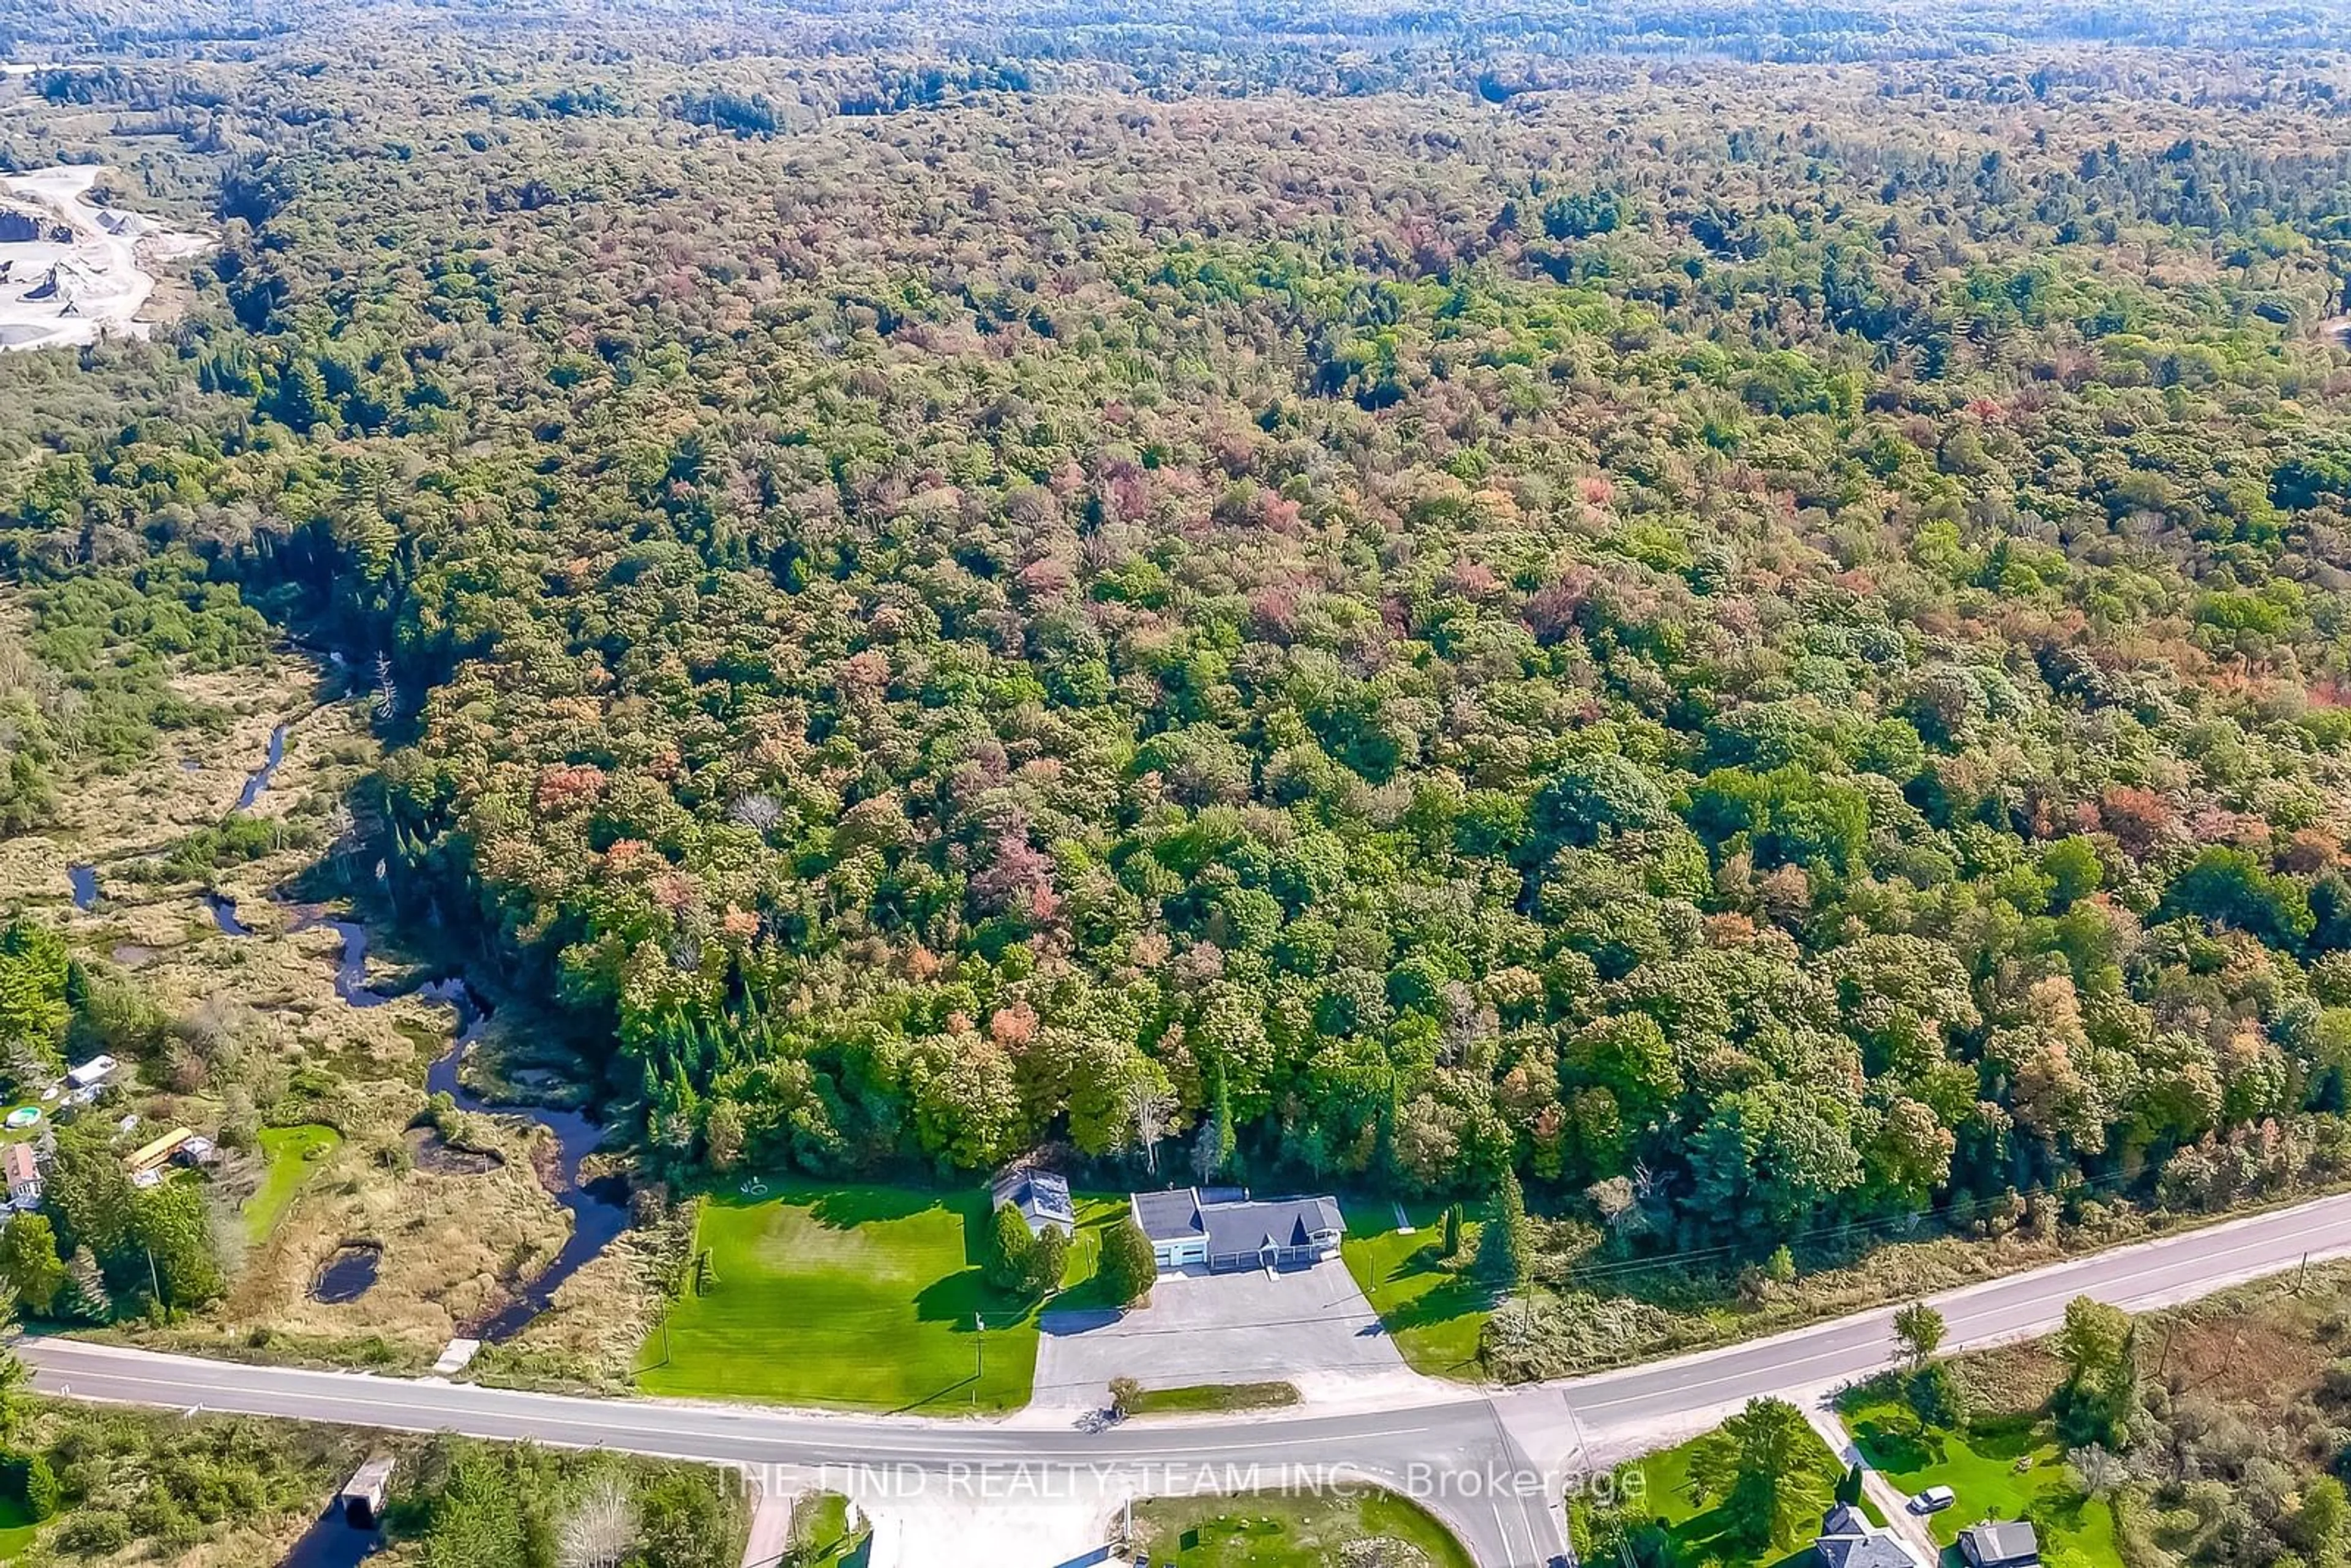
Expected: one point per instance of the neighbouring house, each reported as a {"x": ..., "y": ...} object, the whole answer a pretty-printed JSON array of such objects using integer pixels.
[
  {"x": 150, "y": 1157},
  {"x": 1042, "y": 1198},
  {"x": 1224, "y": 1229},
  {"x": 2001, "y": 1543},
  {"x": 23, "y": 1171},
  {"x": 1847, "y": 1539},
  {"x": 92, "y": 1073}
]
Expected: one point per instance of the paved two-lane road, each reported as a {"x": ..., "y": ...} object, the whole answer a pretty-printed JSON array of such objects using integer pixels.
[{"x": 1469, "y": 1457}]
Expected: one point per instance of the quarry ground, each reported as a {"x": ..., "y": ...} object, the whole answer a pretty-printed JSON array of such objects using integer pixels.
[{"x": 63, "y": 294}]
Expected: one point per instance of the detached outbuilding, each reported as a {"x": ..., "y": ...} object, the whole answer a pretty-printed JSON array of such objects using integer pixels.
[
  {"x": 2001, "y": 1543},
  {"x": 1042, "y": 1198}
]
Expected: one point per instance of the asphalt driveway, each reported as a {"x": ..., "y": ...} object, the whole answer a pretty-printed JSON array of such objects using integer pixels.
[{"x": 1246, "y": 1327}]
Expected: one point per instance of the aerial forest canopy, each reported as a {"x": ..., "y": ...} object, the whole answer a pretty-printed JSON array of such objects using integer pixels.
[{"x": 1740, "y": 614}]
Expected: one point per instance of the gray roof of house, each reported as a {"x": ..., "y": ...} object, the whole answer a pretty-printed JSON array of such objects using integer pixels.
[
  {"x": 1039, "y": 1195},
  {"x": 1231, "y": 1220},
  {"x": 1170, "y": 1216},
  {"x": 1278, "y": 1222},
  {"x": 1876, "y": 1549},
  {"x": 2002, "y": 1541},
  {"x": 1844, "y": 1520}
]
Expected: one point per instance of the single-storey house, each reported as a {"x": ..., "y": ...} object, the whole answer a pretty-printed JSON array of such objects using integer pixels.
[
  {"x": 2001, "y": 1543},
  {"x": 1042, "y": 1198},
  {"x": 23, "y": 1171},
  {"x": 1847, "y": 1539},
  {"x": 1224, "y": 1229},
  {"x": 92, "y": 1074}
]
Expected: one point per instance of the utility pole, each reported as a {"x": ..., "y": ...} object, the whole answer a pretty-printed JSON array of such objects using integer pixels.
[
  {"x": 979, "y": 1345},
  {"x": 2301, "y": 1274},
  {"x": 153, "y": 1284}
]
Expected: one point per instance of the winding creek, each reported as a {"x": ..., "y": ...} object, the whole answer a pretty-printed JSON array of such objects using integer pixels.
[{"x": 599, "y": 1209}]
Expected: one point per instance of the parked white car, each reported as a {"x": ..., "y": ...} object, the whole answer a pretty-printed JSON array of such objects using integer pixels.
[{"x": 1934, "y": 1499}]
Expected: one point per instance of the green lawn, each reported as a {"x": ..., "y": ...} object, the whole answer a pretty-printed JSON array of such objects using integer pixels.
[
  {"x": 17, "y": 1531},
  {"x": 857, "y": 1296},
  {"x": 294, "y": 1154},
  {"x": 1981, "y": 1466},
  {"x": 1434, "y": 1313},
  {"x": 821, "y": 1533},
  {"x": 1698, "y": 1532},
  {"x": 1275, "y": 1531},
  {"x": 1198, "y": 1397}
]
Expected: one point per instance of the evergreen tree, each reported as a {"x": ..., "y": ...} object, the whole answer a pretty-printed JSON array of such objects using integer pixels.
[
  {"x": 84, "y": 1295},
  {"x": 1047, "y": 1260},
  {"x": 1127, "y": 1270},
  {"x": 1010, "y": 1245},
  {"x": 1212, "y": 1151},
  {"x": 1452, "y": 1230},
  {"x": 1766, "y": 1471},
  {"x": 1504, "y": 1245}
]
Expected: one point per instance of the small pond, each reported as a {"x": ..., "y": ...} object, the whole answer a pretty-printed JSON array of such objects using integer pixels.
[
  {"x": 85, "y": 885},
  {"x": 349, "y": 1273}
]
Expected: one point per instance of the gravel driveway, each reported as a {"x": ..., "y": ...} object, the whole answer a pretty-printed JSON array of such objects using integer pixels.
[{"x": 1245, "y": 1327}]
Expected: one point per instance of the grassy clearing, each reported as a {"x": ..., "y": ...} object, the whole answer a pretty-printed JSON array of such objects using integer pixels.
[
  {"x": 822, "y": 1534},
  {"x": 857, "y": 1296},
  {"x": 1657, "y": 1487},
  {"x": 2006, "y": 1466},
  {"x": 1434, "y": 1309},
  {"x": 295, "y": 1155},
  {"x": 1287, "y": 1530},
  {"x": 17, "y": 1531},
  {"x": 1199, "y": 1396}
]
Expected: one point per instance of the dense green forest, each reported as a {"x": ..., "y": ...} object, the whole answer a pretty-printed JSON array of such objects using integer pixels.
[{"x": 1391, "y": 597}]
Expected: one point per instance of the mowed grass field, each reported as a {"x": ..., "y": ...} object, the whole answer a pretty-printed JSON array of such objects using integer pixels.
[
  {"x": 862, "y": 1297},
  {"x": 1434, "y": 1307},
  {"x": 295, "y": 1155}
]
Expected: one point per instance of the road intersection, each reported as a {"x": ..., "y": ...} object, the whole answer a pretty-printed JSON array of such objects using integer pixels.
[{"x": 1491, "y": 1465}]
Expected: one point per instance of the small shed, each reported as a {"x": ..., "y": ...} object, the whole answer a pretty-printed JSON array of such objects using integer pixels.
[
  {"x": 363, "y": 1496},
  {"x": 1999, "y": 1543}
]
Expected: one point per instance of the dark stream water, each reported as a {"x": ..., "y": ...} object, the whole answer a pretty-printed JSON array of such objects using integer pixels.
[
  {"x": 598, "y": 1210},
  {"x": 224, "y": 910},
  {"x": 333, "y": 1543},
  {"x": 258, "y": 780}
]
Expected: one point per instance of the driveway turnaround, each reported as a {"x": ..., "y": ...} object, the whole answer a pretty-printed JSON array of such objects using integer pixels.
[{"x": 1252, "y": 1326}]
